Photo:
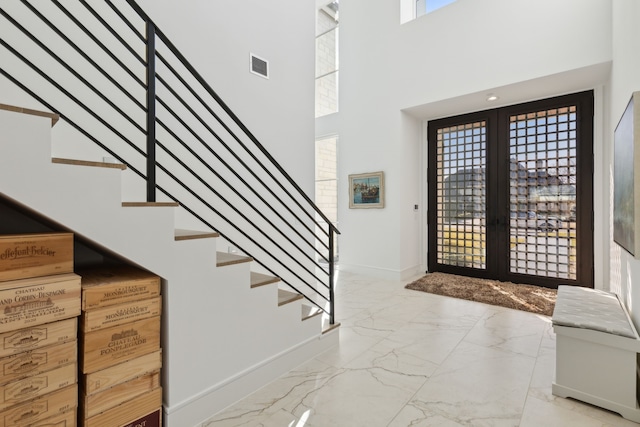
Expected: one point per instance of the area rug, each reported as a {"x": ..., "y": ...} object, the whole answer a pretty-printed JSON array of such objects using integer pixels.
[{"x": 531, "y": 298}]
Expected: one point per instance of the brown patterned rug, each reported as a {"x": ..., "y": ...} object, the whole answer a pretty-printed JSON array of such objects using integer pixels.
[{"x": 531, "y": 298}]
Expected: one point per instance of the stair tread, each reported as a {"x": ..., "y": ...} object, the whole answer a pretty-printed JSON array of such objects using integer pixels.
[
  {"x": 224, "y": 258},
  {"x": 181, "y": 234},
  {"x": 309, "y": 311},
  {"x": 53, "y": 116},
  {"x": 88, "y": 163},
  {"x": 286, "y": 297},
  {"x": 330, "y": 328},
  {"x": 149, "y": 204},
  {"x": 259, "y": 279}
]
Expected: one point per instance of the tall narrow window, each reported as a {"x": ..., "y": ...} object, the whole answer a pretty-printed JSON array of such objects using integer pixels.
[
  {"x": 327, "y": 60},
  {"x": 327, "y": 180}
]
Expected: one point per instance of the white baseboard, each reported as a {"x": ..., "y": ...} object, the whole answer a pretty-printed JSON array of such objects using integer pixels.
[
  {"x": 382, "y": 273},
  {"x": 201, "y": 407}
]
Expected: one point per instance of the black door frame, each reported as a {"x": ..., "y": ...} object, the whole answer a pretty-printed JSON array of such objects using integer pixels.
[{"x": 497, "y": 191}]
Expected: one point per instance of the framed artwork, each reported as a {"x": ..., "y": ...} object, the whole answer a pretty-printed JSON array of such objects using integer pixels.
[
  {"x": 626, "y": 184},
  {"x": 366, "y": 190}
]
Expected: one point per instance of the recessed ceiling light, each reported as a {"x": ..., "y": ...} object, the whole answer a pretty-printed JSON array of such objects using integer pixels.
[{"x": 492, "y": 97}]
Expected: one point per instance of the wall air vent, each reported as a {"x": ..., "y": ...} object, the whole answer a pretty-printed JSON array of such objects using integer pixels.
[{"x": 259, "y": 66}]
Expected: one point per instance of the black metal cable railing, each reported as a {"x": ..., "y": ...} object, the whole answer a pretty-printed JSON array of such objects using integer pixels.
[{"x": 123, "y": 85}]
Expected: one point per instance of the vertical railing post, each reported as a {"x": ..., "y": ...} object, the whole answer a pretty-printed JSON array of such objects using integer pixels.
[
  {"x": 332, "y": 315},
  {"x": 151, "y": 111}
]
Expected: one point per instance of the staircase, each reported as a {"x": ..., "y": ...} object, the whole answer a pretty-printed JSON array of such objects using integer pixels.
[{"x": 227, "y": 330}]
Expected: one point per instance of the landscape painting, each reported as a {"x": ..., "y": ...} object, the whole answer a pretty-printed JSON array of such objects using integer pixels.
[
  {"x": 625, "y": 211},
  {"x": 366, "y": 190}
]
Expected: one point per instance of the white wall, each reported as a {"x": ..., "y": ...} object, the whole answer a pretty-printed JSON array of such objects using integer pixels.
[
  {"x": 395, "y": 76},
  {"x": 625, "y": 79}
]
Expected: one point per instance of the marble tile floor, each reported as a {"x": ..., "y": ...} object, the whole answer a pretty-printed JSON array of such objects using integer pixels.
[{"x": 407, "y": 358}]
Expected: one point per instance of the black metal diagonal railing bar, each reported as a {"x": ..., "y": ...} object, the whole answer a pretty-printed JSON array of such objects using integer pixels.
[
  {"x": 222, "y": 158},
  {"x": 109, "y": 28},
  {"x": 124, "y": 19}
]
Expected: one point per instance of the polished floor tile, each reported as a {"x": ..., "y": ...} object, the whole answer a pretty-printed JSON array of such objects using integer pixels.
[{"x": 407, "y": 358}]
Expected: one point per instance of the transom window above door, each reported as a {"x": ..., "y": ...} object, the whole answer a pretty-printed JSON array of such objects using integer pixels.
[
  {"x": 412, "y": 9},
  {"x": 427, "y": 6}
]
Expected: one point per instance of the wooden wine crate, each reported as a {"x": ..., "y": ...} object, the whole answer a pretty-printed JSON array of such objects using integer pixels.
[
  {"x": 154, "y": 419},
  {"x": 115, "y": 315},
  {"x": 33, "y": 255},
  {"x": 37, "y": 385},
  {"x": 104, "y": 286},
  {"x": 30, "y": 413},
  {"x": 34, "y": 362},
  {"x": 33, "y": 337},
  {"x": 107, "y": 347},
  {"x": 96, "y": 403},
  {"x": 29, "y": 302},
  {"x": 129, "y": 412},
  {"x": 120, "y": 373}
]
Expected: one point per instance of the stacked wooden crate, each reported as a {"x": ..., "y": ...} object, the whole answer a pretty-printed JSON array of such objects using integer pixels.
[
  {"x": 120, "y": 354},
  {"x": 39, "y": 305}
]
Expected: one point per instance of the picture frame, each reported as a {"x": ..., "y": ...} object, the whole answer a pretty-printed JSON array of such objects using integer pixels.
[
  {"x": 366, "y": 190},
  {"x": 626, "y": 178}
]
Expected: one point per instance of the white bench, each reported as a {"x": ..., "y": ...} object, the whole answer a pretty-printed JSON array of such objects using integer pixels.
[{"x": 597, "y": 349}]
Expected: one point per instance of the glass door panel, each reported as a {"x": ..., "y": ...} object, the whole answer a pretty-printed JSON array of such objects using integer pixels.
[
  {"x": 543, "y": 186},
  {"x": 461, "y": 195}
]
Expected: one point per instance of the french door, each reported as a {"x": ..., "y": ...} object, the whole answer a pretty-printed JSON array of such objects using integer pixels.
[{"x": 511, "y": 192}]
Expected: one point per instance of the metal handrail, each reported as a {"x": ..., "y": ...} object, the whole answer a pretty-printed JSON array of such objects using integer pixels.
[{"x": 272, "y": 247}]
